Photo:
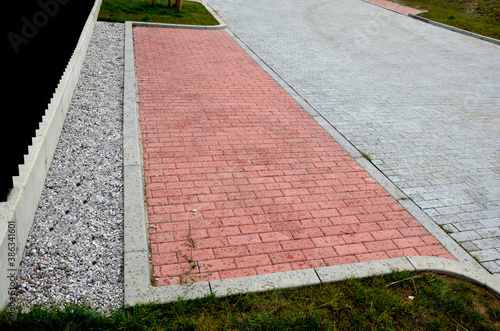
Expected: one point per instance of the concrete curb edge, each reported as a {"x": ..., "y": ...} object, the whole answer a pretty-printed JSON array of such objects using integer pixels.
[{"x": 454, "y": 29}]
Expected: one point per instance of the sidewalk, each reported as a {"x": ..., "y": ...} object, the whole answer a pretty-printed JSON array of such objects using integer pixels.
[
  {"x": 420, "y": 100},
  {"x": 241, "y": 180}
]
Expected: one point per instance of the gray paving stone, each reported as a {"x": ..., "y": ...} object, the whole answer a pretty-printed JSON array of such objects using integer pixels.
[
  {"x": 489, "y": 232},
  {"x": 491, "y": 266},
  {"x": 468, "y": 207},
  {"x": 414, "y": 190},
  {"x": 469, "y": 246},
  {"x": 487, "y": 243},
  {"x": 446, "y": 219},
  {"x": 489, "y": 223},
  {"x": 487, "y": 255},
  {"x": 451, "y": 210},
  {"x": 422, "y": 101},
  {"x": 430, "y": 211},
  {"x": 465, "y": 236},
  {"x": 449, "y": 228},
  {"x": 468, "y": 225}
]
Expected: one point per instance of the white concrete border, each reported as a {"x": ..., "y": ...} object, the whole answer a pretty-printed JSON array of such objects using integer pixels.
[
  {"x": 22, "y": 203},
  {"x": 138, "y": 288}
]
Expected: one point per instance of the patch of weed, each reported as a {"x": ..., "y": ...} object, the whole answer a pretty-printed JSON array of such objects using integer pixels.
[
  {"x": 397, "y": 301},
  {"x": 478, "y": 16},
  {"x": 192, "y": 13}
]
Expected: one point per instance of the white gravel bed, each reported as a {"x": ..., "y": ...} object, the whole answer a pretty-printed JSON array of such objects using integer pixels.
[{"x": 75, "y": 248}]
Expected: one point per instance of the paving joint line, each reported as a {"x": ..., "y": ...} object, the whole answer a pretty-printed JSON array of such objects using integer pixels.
[{"x": 137, "y": 269}]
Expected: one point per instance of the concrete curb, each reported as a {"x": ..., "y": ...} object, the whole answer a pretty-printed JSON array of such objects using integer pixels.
[
  {"x": 178, "y": 26},
  {"x": 138, "y": 288},
  {"x": 137, "y": 267},
  {"x": 136, "y": 250},
  {"x": 23, "y": 200},
  {"x": 454, "y": 29}
]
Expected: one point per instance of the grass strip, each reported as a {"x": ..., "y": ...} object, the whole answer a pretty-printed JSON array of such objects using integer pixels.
[
  {"x": 398, "y": 301},
  {"x": 192, "y": 13},
  {"x": 478, "y": 16}
]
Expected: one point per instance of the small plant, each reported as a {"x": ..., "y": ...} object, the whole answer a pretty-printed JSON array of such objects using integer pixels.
[
  {"x": 366, "y": 156},
  {"x": 495, "y": 313},
  {"x": 188, "y": 274}
]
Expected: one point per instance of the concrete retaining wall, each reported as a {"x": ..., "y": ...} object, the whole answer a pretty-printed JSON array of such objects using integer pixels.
[{"x": 16, "y": 215}]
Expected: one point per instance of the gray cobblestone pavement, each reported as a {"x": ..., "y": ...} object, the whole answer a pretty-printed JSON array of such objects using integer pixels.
[{"x": 423, "y": 102}]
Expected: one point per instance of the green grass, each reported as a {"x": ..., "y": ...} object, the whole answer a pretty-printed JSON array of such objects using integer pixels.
[
  {"x": 192, "y": 13},
  {"x": 399, "y": 301},
  {"x": 478, "y": 16}
]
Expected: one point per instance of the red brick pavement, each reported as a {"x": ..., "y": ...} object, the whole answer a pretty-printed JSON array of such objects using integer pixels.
[
  {"x": 240, "y": 180},
  {"x": 395, "y": 7}
]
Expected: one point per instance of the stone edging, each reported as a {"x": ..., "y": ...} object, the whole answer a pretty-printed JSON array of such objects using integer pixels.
[
  {"x": 22, "y": 202},
  {"x": 454, "y": 29},
  {"x": 137, "y": 268}
]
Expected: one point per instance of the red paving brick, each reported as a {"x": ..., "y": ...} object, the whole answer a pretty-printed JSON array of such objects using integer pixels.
[
  {"x": 395, "y": 7},
  {"x": 240, "y": 180}
]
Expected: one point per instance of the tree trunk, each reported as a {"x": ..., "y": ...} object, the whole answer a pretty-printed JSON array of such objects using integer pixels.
[
  {"x": 178, "y": 3},
  {"x": 169, "y": 4},
  {"x": 154, "y": 3}
]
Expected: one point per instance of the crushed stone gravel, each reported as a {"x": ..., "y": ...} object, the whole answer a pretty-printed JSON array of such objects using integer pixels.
[{"x": 74, "y": 251}]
